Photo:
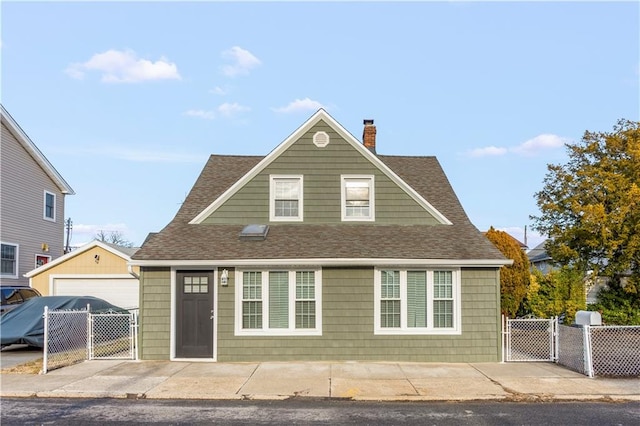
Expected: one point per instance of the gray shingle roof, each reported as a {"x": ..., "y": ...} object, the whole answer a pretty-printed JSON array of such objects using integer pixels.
[{"x": 180, "y": 240}]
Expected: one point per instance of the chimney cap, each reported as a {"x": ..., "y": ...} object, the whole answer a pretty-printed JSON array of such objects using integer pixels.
[{"x": 367, "y": 121}]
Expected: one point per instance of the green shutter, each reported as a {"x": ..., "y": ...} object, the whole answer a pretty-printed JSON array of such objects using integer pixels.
[
  {"x": 416, "y": 299},
  {"x": 279, "y": 299}
]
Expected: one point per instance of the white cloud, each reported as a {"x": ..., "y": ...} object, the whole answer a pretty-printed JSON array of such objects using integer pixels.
[
  {"x": 226, "y": 110},
  {"x": 230, "y": 110},
  {"x": 199, "y": 113},
  {"x": 218, "y": 91},
  {"x": 487, "y": 151},
  {"x": 124, "y": 67},
  {"x": 298, "y": 105},
  {"x": 242, "y": 62},
  {"x": 539, "y": 143},
  {"x": 528, "y": 148}
]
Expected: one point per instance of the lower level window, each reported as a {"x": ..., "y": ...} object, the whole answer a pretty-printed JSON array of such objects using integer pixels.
[
  {"x": 417, "y": 301},
  {"x": 278, "y": 302}
]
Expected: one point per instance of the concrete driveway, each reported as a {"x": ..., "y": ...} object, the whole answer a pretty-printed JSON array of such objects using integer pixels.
[{"x": 14, "y": 355}]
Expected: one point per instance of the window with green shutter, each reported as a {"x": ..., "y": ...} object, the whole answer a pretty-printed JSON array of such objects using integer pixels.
[
  {"x": 417, "y": 301},
  {"x": 279, "y": 302}
]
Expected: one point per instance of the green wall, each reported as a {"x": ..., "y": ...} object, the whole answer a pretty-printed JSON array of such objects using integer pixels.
[
  {"x": 321, "y": 168},
  {"x": 347, "y": 331}
]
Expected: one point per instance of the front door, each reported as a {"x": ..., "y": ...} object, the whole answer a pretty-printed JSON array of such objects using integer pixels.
[{"x": 194, "y": 314}]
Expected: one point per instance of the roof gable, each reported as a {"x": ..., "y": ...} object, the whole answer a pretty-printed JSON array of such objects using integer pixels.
[
  {"x": 123, "y": 252},
  {"x": 320, "y": 115},
  {"x": 35, "y": 153}
]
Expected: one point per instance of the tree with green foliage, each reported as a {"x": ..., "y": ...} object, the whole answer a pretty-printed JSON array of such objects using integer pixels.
[
  {"x": 560, "y": 291},
  {"x": 590, "y": 210},
  {"x": 514, "y": 279}
]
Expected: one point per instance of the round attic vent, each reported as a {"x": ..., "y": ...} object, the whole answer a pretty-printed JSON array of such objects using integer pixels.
[{"x": 321, "y": 139}]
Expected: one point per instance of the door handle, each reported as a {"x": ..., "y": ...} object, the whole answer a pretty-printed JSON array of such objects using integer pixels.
[{"x": 211, "y": 314}]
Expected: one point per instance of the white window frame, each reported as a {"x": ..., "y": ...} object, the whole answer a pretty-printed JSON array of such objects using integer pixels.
[
  {"x": 291, "y": 330},
  {"x": 17, "y": 260},
  {"x": 370, "y": 180},
  {"x": 44, "y": 207},
  {"x": 429, "y": 329},
  {"x": 273, "y": 179},
  {"x": 35, "y": 262}
]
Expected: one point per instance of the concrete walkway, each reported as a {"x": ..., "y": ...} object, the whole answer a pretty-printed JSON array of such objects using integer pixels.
[{"x": 352, "y": 380}]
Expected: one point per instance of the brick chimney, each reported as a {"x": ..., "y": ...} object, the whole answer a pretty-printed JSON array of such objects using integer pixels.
[{"x": 369, "y": 135}]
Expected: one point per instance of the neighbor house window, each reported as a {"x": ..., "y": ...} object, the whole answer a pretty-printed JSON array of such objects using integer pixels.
[
  {"x": 42, "y": 260},
  {"x": 285, "y": 200},
  {"x": 278, "y": 302},
  {"x": 49, "y": 206},
  {"x": 9, "y": 260},
  {"x": 357, "y": 198},
  {"x": 417, "y": 301}
]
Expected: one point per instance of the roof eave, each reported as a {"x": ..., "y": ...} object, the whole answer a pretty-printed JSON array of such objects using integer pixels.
[{"x": 469, "y": 263}]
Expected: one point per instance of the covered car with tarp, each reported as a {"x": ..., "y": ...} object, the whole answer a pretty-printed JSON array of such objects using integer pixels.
[{"x": 25, "y": 324}]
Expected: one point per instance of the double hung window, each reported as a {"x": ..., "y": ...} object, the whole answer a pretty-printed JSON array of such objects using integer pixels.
[
  {"x": 9, "y": 260},
  {"x": 285, "y": 200},
  {"x": 357, "y": 198},
  {"x": 279, "y": 302},
  {"x": 417, "y": 301},
  {"x": 49, "y": 206}
]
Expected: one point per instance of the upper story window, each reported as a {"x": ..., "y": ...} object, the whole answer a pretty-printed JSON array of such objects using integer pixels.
[
  {"x": 49, "y": 206},
  {"x": 417, "y": 301},
  {"x": 9, "y": 260},
  {"x": 286, "y": 198},
  {"x": 278, "y": 302},
  {"x": 358, "y": 198}
]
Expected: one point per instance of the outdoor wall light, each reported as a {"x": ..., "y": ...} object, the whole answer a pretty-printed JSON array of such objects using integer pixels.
[
  {"x": 224, "y": 277},
  {"x": 96, "y": 258}
]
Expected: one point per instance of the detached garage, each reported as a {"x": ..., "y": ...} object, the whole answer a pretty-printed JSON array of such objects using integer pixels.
[{"x": 96, "y": 269}]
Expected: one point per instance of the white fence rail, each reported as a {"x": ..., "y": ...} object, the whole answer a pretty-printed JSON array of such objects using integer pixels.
[{"x": 72, "y": 336}]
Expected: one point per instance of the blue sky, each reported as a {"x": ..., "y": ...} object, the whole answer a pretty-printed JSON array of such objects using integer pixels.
[{"x": 128, "y": 100}]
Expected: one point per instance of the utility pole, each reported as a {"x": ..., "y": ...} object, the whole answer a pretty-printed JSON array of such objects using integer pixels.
[{"x": 69, "y": 226}]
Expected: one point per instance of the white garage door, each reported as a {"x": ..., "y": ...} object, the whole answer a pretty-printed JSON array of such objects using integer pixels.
[{"x": 122, "y": 292}]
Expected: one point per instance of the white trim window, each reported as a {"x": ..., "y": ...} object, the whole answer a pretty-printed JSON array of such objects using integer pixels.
[
  {"x": 9, "y": 260},
  {"x": 357, "y": 197},
  {"x": 286, "y": 198},
  {"x": 417, "y": 301},
  {"x": 276, "y": 302},
  {"x": 49, "y": 212},
  {"x": 42, "y": 259}
]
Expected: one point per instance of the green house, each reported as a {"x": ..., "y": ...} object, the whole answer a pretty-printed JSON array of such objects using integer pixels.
[{"x": 321, "y": 250}]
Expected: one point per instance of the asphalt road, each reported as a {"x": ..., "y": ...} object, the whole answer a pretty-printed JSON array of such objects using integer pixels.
[
  {"x": 310, "y": 411},
  {"x": 13, "y": 355}
]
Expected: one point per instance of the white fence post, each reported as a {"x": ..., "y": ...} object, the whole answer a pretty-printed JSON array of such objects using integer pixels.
[
  {"x": 588, "y": 361},
  {"x": 45, "y": 348}
]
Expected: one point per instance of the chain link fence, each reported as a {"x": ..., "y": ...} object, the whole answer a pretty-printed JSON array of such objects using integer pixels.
[
  {"x": 529, "y": 339},
  {"x": 112, "y": 336},
  {"x": 72, "y": 336},
  {"x": 590, "y": 350},
  {"x": 572, "y": 342},
  {"x": 65, "y": 338},
  {"x": 615, "y": 350}
]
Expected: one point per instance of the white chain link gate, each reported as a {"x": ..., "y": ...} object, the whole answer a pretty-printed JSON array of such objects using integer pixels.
[
  {"x": 72, "y": 336},
  {"x": 530, "y": 340}
]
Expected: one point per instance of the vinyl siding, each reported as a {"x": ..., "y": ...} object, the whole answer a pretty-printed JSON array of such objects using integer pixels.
[
  {"x": 22, "y": 184},
  {"x": 322, "y": 168},
  {"x": 347, "y": 331},
  {"x": 155, "y": 313}
]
